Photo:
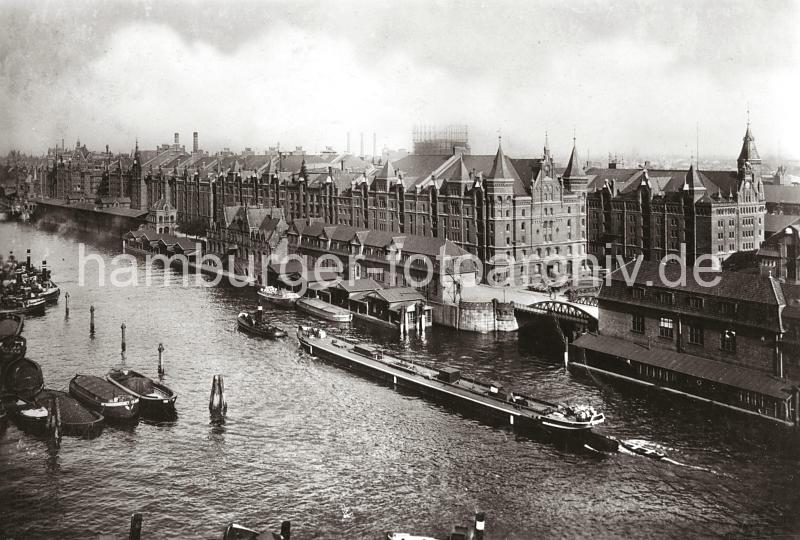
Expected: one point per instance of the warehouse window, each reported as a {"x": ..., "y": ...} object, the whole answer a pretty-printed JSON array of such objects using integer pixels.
[
  {"x": 637, "y": 324},
  {"x": 665, "y": 327}
]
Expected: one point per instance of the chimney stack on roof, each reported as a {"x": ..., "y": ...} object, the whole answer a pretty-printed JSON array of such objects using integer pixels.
[
  {"x": 195, "y": 143},
  {"x": 177, "y": 138}
]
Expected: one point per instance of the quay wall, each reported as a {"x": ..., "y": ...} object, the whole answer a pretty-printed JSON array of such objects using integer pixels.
[{"x": 476, "y": 316}]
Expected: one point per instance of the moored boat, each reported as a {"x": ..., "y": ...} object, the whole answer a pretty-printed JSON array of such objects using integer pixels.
[
  {"x": 12, "y": 345},
  {"x": 324, "y": 310},
  {"x": 449, "y": 386},
  {"x": 156, "y": 401},
  {"x": 49, "y": 292},
  {"x": 3, "y": 418},
  {"x": 31, "y": 417},
  {"x": 108, "y": 399},
  {"x": 11, "y": 324},
  {"x": 22, "y": 306},
  {"x": 253, "y": 323},
  {"x": 12, "y": 348},
  {"x": 75, "y": 419},
  {"x": 23, "y": 378},
  {"x": 279, "y": 297}
]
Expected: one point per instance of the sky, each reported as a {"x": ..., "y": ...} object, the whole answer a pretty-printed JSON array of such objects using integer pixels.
[{"x": 629, "y": 77}]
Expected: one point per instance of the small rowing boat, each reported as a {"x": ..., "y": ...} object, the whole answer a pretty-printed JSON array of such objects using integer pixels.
[
  {"x": 156, "y": 400},
  {"x": 108, "y": 399}
]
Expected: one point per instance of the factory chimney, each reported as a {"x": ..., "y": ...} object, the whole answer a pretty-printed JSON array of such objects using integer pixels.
[
  {"x": 195, "y": 144},
  {"x": 374, "y": 145},
  {"x": 177, "y": 139}
]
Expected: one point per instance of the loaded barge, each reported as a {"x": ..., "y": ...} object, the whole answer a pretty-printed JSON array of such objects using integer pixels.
[{"x": 447, "y": 385}]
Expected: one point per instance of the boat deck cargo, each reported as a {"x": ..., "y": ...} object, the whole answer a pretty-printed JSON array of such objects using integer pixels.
[
  {"x": 449, "y": 385},
  {"x": 75, "y": 418},
  {"x": 155, "y": 399},
  {"x": 102, "y": 396}
]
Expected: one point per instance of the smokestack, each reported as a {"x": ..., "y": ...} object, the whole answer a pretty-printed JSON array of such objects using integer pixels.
[
  {"x": 361, "y": 155},
  {"x": 374, "y": 145},
  {"x": 348, "y": 142},
  {"x": 177, "y": 138},
  {"x": 195, "y": 143}
]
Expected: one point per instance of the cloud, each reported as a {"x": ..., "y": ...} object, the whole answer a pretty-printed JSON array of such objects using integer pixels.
[{"x": 627, "y": 76}]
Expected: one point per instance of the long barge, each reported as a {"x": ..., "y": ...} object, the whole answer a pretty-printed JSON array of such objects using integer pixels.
[{"x": 448, "y": 386}]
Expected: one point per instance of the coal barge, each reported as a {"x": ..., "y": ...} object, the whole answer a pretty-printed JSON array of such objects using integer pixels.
[{"x": 447, "y": 385}]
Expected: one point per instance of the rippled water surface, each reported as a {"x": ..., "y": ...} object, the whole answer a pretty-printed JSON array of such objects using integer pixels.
[{"x": 343, "y": 457}]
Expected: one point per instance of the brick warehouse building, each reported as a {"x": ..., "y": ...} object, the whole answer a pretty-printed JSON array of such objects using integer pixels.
[
  {"x": 494, "y": 207},
  {"x": 653, "y": 212},
  {"x": 730, "y": 343}
]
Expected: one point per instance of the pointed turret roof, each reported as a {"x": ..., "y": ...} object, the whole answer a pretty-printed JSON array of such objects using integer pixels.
[
  {"x": 574, "y": 169},
  {"x": 749, "y": 152},
  {"x": 387, "y": 171},
  {"x": 692, "y": 181},
  {"x": 502, "y": 167}
]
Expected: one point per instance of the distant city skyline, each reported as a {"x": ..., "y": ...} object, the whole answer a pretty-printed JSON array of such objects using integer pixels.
[{"x": 632, "y": 78}]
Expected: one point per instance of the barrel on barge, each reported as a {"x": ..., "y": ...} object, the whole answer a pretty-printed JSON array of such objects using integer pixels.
[{"x": 449, "y": 386}]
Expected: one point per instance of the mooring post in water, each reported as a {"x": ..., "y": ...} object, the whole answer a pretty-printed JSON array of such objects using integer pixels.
[
  {"x": 54, "y": 423},
  {"x": 217, "y": 405},
  {"x": 122, "y": 327},
  {"x": 286, "y": 530},
  {"x": 66, "y": 305},
  {"x": 480, "y": 525},
  {"x": 136, "y": 527},
  {"x": 160, "y": 359},
  {"x": 259, "y": 313},
  {"x": 91, "y": 320}
]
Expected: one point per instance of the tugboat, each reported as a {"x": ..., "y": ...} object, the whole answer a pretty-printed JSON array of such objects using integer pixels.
[
  {"x": 447, "y": 385},
  {"x": 279, "y": 297},
  {"x": 107, "y": 399},
  {"x": 156, "y": 400},
  {"x": 324, "y": 310},
  {"x": 49, "y": 291},
  {"x": 458, "y": 532},
  {"x": 253, "y": 323}
]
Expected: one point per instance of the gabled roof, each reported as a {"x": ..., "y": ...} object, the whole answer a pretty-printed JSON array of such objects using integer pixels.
[
  {"x": 774, "y": 223},
  {"x": 732, "y": 285},
  {"x": 782, "y": 194},
  {"x": 359, "y": 285},
  {"x": 398, "y": 294}
]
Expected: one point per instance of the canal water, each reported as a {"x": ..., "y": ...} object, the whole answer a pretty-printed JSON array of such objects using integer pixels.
[{"x": 343, "y": 457}]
